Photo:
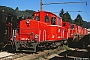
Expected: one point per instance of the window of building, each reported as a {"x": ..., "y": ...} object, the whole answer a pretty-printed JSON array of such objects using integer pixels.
[
  {"x": 53, "y": 20},
  {"x": 47, "y": 18}
]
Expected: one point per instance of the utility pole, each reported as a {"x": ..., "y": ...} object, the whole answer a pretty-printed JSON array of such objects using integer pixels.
[{"x": 41, "y": 4}]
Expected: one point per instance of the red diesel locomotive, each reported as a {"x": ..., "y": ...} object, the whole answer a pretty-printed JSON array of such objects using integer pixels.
[{"x": 45, "y": 30}]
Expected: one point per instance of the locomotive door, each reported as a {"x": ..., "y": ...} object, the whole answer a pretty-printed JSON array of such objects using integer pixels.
[
  {"x": 44, "y": 35},
  {"x": 62, "y": 34}
]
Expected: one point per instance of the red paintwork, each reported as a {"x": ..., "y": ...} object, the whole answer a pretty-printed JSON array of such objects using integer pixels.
[
  {"x": 67, "y": 30},
  {"x": 73, "y": 31},
  {"x": 45, "y": 30},
  {"x": 79, "y": 30},
  {"x": 85, "y": 31}
]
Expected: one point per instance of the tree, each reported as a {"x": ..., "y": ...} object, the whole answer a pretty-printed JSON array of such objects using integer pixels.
[
  {"x": 30, "y": 11},
  {"x": 16, "y": 9},
  {"x": 61, "y": 13},
  {"x": 79, "y": 20},
  {"x": 7, "y": 9},
  {"x": 65, "y": 16}
]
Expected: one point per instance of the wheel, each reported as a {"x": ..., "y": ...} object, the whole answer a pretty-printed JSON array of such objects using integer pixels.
[
  {"x": 65, "y": 42},
  {"x": 35, "y": 47},
  {"x": 84, "y": 45},
  {"x": 14, "y": 46},
  {"x": 69, "y": 42}
]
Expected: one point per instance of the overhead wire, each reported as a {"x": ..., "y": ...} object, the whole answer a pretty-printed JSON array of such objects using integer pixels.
[{"x": 85, "y": 9}]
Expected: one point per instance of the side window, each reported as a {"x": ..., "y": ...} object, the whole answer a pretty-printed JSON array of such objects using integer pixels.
[
  {"x": 64, "y": 24},
  {"x": 47, "y": 18},
  {"x": 53, "y": 20},
  {"x": 38, "y": 18},
  {"x": 72, "y": 26},
  {"x": 58, "y": 21}
]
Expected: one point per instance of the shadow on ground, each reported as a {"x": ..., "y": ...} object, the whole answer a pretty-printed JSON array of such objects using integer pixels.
[
  {"x": 72, "y": 55},
  {"x": 82, "y": 43}
]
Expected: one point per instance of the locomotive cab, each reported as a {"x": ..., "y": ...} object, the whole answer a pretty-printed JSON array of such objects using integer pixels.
[
  {"x": 73, "y": 29},
  {"x": 67, "y": 29},
  {"x": 53, "y": 26}
]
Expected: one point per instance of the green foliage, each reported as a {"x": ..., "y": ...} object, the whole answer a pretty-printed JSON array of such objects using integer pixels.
[
  {"x": 29, "y": 11},
  {"x": 79, "y": 20},
  {"x": 16, "y": 9},
  {"x": 66, "y": 47},
  {"x": 86, "y": 24},
  {"x": 61, "y": 13},
  {"x": 65, "y": 16},
  {"x": 26, "y": 13},
  {"x": 7, "y": 9}
]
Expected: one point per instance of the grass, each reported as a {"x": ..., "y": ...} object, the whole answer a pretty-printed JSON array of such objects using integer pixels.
[
  {"x": 56, "y": 52},
  {"x": 66, "y": 47}
]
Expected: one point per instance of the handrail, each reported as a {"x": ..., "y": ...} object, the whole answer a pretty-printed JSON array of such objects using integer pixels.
[{"x": 44, "y": 35}]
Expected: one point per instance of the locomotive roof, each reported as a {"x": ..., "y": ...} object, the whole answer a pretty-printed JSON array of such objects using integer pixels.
[{"x": 47, "y": 12}]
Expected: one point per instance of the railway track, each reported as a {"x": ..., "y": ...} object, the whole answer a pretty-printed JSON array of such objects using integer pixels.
[
  {"x": 78, "y": 54},
  {"x": 41, "y": 54},
  {"x": 51, "y": 54},
  {"x": 27, "y": 55},
  {"x": 10, "y": 56}
]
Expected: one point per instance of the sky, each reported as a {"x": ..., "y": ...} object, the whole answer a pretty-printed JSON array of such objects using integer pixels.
[{"x": 35, "y": 5}]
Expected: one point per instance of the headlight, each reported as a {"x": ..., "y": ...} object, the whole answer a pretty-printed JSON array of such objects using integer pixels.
[
  {"x": 36, "y": 36},
  {"x": 28, "y": 21}
]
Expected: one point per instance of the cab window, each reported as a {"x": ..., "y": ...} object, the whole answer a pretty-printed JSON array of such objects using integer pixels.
[
  {"x": 64, "y": 24},
  {"x": 47, "y": 18},
  {"x": 58, "y": 21},
  {"x": 72, "y": 26},
  {"x": 38, "y": 18},
  {"x": 53, "y": 20}
]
